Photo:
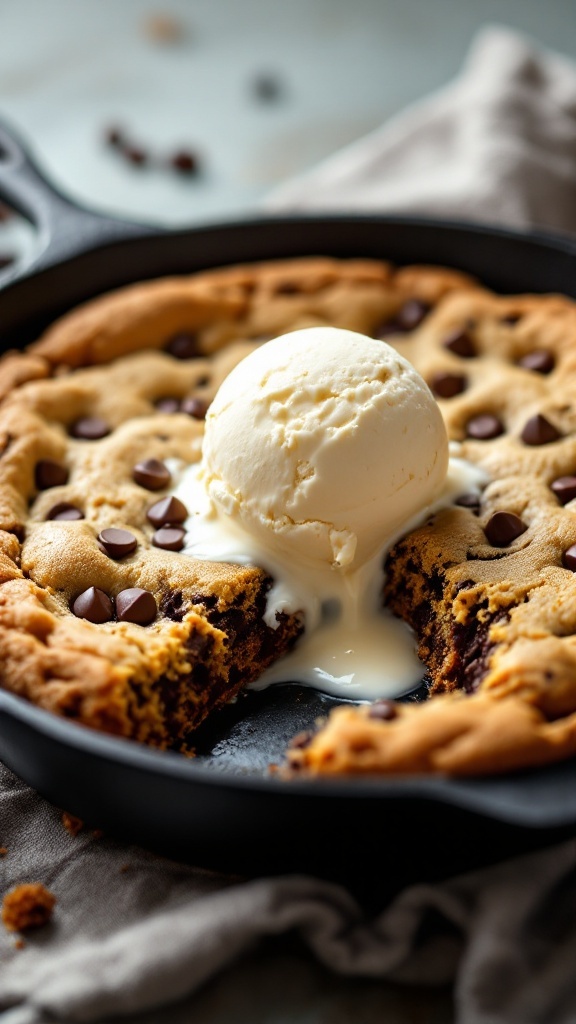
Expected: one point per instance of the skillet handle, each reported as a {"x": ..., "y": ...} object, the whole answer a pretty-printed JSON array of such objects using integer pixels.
[{"x": 63, "y": 229}]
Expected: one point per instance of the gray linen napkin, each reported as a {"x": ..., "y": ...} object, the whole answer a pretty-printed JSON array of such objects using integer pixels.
[
  {"x": 498, "y": 144},
  {"x": 133, "y": 931}
]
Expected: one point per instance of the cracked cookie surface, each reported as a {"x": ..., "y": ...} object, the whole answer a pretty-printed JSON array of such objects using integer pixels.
[{"x": 127, "y": 378}]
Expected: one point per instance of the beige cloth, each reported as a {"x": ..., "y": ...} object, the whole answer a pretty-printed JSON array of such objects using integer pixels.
[
  {"x": 132, "y": 931},
  {"x": 498, "y": 144}
]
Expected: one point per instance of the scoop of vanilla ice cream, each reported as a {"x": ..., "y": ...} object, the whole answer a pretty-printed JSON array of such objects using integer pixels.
[{"x": 321, "y": 444}]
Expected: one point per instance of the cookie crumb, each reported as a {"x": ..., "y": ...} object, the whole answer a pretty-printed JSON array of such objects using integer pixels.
[
  {"x": 97, "y": 833},
  {"x": 27, "y": 906},
  {"x": 71, "y": 823},
  {"x": 3, "y": 851},
  {"x": 164, "y": 29},
  {"x": 19, "y": 944}
]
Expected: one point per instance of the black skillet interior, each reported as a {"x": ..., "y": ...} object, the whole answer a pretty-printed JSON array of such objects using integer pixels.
[{"x": 223, "y": 809}]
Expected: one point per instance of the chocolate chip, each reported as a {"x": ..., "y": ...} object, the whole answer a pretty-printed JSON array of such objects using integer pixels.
[
  {"x": 408, "y": 317},
  {"x": 6, "y": 213},
  {"x": 288, "y": 288},
  {"x": 511, "y": 318},
  {"x": 301, "y": 740},
  {"x": 185, "y": 162},
  {"x": 168, "y": 405},
  {"x": 564, "y": 488},
  {"x": 114, "y": 136},
  {"x": 468, "y": 501},
  {"x": 569, "y": 558},
  {"x": 538, "y": 430},
  {"x": 384, "y": 710},
  {"x": 446, "y": 385},
  {"x": 89, "y": 428},
  {"x": 182, "y": 346},
  {"x": 460, "y": 343},
  {"x": 412, "y": 314},
  {"x": 502, "y": 528},
  {"x": 64, "y": 510},
  {"x": 484, "y": 427},
  {"x": 540, "y": 361},
  {"x": 267, "y": 88},
  {"x": 117, "y": 543},
  {"x": 135, "y": 155},
  {"x": 167, "y": 510},
  {"x": 151, "y": 474},
  {"x": 195, "y": 407},
  {"x": 93, "y": 604},
  {"x": 6, "y": 260},
  {"x": 49, "y": 473},
  {"x": 136, "y": 605},
  {"x": 170, "y": 538}
]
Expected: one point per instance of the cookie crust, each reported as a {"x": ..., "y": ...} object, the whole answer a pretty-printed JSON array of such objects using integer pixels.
[
  {"x": 115, "y": 359},
  {"x": 495, "y": 626}
]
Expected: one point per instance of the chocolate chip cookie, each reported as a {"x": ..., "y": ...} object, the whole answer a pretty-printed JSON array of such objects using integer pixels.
[
  {"x": 489, "y": 585},
  {"x": 104, "y": 620}
]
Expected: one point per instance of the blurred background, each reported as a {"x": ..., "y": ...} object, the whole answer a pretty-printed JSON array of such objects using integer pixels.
[{"x": 192, "y": 110}]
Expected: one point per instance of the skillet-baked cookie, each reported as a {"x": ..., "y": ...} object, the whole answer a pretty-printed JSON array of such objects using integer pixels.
[
  {"x": 489, "y": 585},
  {"x": 104, "y": 621}
]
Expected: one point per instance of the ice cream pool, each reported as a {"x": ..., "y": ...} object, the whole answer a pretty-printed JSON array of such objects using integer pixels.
[{"x": 321, "y": 448}]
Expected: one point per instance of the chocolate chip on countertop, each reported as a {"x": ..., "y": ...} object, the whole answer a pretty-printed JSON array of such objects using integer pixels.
[
  {"x": 117, "y": 543},
  {"x": 151, "y": 474},
  {"x": 49, "y": 473},
  {"x": 167, "y": 510},
  {"x": 93, "y": 604},
  {"x": 569, "y": 558},
  {"x": 170, "y": 538},
  {"x": 195, "y": 407},
  {"x": 89, "y": 428},
  {"x": 538, "y": 430},
  {"x": 6, "y": 212},
  {"x": 168, "y": 405},
  {"x": 540, "y": 361},
  {"x": 447, "y": 385},
  {"x": 136, "y": 605},
  {"x": 64, "y": 510},
  {"x": 182, "y": 346},
  {"x": 114, "y": 136},
  {"x": 185, "y": 162},
  {"x": 384, "y": 710},
  {"x": 502, "y": 528},
  {"x": 564, "y": 488},
  {"x": 484, "y": 427},
  {"x": 267, "y": 87},
  {"x": 460, "y": 343},
  {"x": 136, "y": 155}
]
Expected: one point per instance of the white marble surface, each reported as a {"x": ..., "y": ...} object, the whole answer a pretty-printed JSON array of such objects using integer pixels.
[{"x": 69, "y": 68}]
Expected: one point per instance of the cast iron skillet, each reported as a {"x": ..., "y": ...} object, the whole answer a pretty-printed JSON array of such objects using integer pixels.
[{"x": 224, "y": 809}]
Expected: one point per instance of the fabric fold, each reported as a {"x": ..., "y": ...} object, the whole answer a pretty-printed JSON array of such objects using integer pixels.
[{"x": 497, "y": 145}]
